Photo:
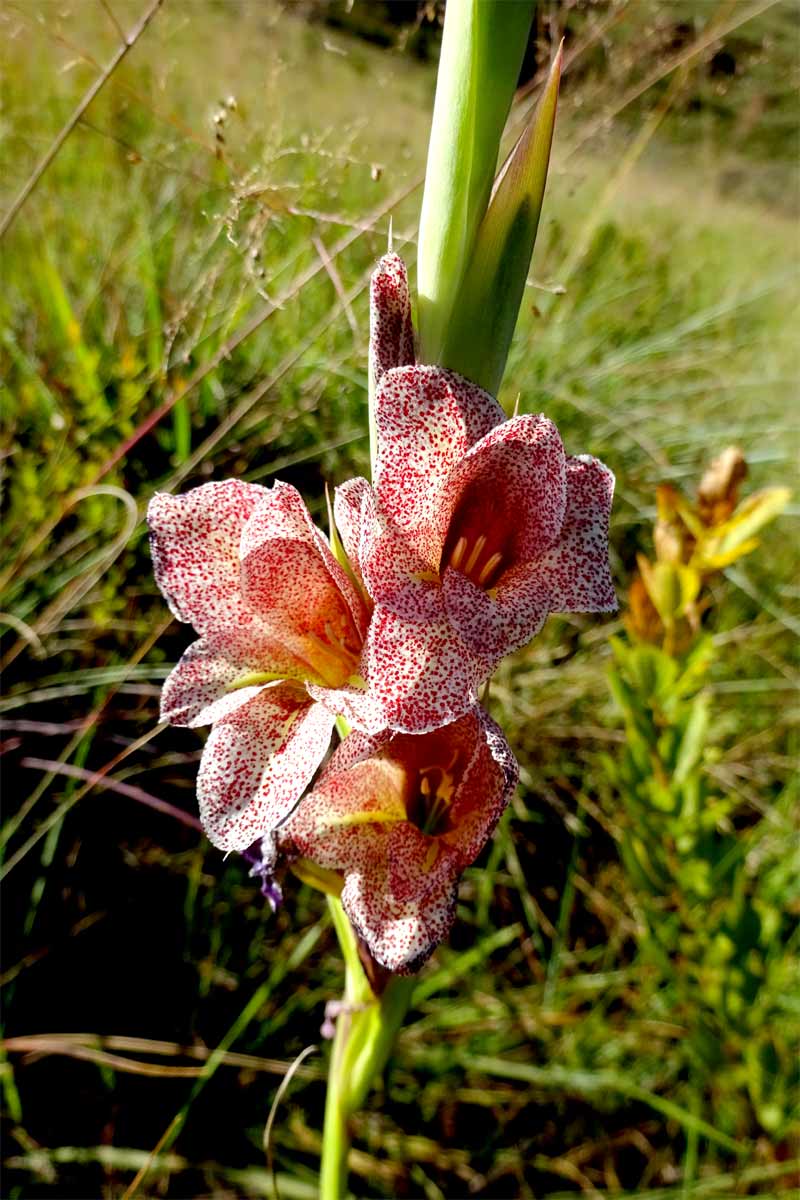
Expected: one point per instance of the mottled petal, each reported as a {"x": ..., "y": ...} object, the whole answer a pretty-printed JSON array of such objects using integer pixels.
[
  {"x": 421, "y": 672},
  {"x": 359, "y": 706},
  {"x": 348, "y": 501},
  {"x": 331, "y": 825},
  {"x": 223, "y": 670},
  {"x": 400, "y": 936},
  {"x": 257, "y": 762},
  {"x": 427, "y": 418},
  {"x": 194, "y": 541},
  {"x": 510, "y": 490},
  {"x": 395, "y": 575},
  {"x": 391, "y": 335},
  {"x": 575, "y": 574},
  {"x": 280, "y": 520},
  {"x": 497, "y": 622},
  {"x": 486, "y": 787}
]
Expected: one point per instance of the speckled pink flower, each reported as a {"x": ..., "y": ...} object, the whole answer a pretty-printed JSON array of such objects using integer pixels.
[
  {"x": 281, "y": 629},
  {"x": 477, "y": 528},
  {"x": 401, "y": 817}
]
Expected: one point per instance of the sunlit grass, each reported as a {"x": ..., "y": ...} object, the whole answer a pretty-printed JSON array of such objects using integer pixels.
[{"x": 167, "y": 317}]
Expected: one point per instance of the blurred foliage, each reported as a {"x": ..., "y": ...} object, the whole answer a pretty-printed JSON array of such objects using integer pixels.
[
  {"x": 184, "y": 296},
  {"x": 715, "y": 927}
]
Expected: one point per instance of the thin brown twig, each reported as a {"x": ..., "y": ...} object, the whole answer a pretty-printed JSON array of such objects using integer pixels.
[{"x": 127, "y": 45}]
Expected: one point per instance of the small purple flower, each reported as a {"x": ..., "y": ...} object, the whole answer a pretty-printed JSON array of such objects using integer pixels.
[{"x": 263, "y": 855}]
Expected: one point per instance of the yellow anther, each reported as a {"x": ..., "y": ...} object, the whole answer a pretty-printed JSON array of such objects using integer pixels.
[
  {"x": 491, "y": 563},
  {"x": 425, "y": 786},
  {"x": 477, "y": 551},
  {"x": 458, "y": 552}
]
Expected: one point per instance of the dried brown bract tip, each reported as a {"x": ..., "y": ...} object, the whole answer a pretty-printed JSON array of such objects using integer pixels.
[{"x": 718, "y": 492}]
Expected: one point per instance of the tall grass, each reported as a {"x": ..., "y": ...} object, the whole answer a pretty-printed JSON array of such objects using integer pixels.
[{"x": 184, "y": 297}]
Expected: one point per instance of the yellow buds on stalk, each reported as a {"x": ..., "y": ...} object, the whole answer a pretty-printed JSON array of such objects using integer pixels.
[{"x": 692, "y": 542}]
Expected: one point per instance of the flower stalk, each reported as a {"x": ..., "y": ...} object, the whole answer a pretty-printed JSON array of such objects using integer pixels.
[
  {"x": 482, "y": 50},
  {"x": 365, "y": 1031}
]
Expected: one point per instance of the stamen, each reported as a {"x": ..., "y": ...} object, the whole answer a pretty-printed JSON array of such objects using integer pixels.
[
  {"x": 477, "y": 551},
  {"x": 431, "y": 857},
  {"x": 491, "y": 563},
  {"x": 458, "y": 552},
  {"x": 425, "y": 785}
]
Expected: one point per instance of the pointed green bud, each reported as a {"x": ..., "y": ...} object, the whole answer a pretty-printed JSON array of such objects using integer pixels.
[
  {"x": 480, "y": 332},
  {"x": 482, "y": 50}
]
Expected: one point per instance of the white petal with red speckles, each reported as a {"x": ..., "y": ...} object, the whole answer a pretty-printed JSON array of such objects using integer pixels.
[
  {"x": 280, "y": 519},
  {"x": 194, "y": 540},
  {"x": 391, "y": 335},
  {"x": 495, "y": 624},
  {"x": 421, "y": 672},
  {"x": 575, "y": 574},
  {"x": 360, "y": 707},
  {"x": 400, "y": 883},
  {"x": 347, "y": 506},
  {"x": 400, "y": 936},
  {"x": 394, "y": 574},
  {"x": 257, "y": 762},
  {"x": 427, "y": 419}
]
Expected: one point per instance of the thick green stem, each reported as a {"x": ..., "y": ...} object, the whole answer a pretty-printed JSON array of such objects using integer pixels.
[{"x": 365, "y": 1033}]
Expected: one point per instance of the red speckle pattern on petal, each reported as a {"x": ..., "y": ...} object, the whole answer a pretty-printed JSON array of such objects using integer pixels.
[
  {"x": 257, "y": 762},
  {"x": 427, "y": 419},
  {"x": 194, "y": 542},
  {"x": 421, "y": 671},
  {"x": 248, "y": 567},
  {"x": 576, "y": 572},
  {"x": 347, "y": 504},
  {"x": 391, "y": 335}
]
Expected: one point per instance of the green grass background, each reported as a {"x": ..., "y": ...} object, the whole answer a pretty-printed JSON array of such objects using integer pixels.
[{"x": 212, "y": 274}]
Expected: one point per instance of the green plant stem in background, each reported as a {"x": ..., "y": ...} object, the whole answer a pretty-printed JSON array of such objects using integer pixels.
[
  {"x": 365, "y": 1032},
  {"x": 482, "y": 50},
  {"x": 482, "y": 324}
]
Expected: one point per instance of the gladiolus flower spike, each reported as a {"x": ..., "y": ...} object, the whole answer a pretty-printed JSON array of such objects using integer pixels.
[{"x": 477, "y": 528}]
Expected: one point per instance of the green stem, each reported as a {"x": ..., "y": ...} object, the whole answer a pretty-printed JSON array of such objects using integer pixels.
[{"x": 365, "y": 1033}]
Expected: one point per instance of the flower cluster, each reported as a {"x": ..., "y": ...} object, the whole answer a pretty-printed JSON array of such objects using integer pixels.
[{"x": 475, "y": 529}]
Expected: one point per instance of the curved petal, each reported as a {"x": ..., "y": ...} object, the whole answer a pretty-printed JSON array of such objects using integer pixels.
[
  {"x": 280, "y": 520},
  {"x": 194, "y": 542},
  {"x": 391, "y": 335},
  {"x": 485, "y": 788},
  {"x": 497, "y": 622},
  {"x": 394, "y": 573},
  {"x": 510, "y": 490},
  {"x": 422, "y": 673},
  {"x": 257, "y": 762},
  {"x": 575, "y": 574},
  {"x": 223, "y": 670},
  {"x": 343, "y": 824},
  {"x": 348, "y": 501},
  {"x": 360, "y": 707},
  {"x": 400, "y": 936},
  {"x": 427, "y": 418}
]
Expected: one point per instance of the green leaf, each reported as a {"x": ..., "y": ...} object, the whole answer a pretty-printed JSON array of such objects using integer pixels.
[
  {"x": 482, "y": 50},
  {"x": 480, "y": 332},
  {"x": 693, "y": 741}
]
